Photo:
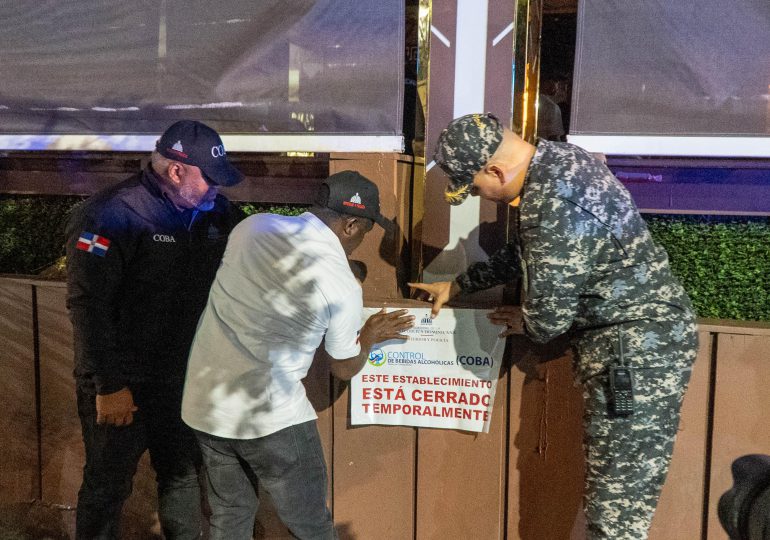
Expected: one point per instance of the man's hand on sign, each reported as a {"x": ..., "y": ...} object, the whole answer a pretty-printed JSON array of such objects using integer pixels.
[
  {"x": 508, "y": 316},
  {"x": 439, "y": 293},
  {"x": 115, "y": 409},
  {"x": 383, "y": 326}
]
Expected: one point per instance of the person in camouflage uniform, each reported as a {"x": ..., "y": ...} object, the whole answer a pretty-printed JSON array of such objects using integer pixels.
[{"x": 588, "y": 267}]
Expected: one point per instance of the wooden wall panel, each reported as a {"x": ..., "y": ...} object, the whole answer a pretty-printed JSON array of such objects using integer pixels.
[
  {"x": 65, "y": 173},
  {"x": 62, "y": 173},
  {"x": 62, "y": 446},
  {"x": 680, "y": 508},
  {"x": 18, "y": 423},
  {"x": 386, "y": 257},
  {"x": 400, "y": 482},
  {"x": 461, "y": 478},
  {"x": 741, "y": 409},
  {"x": 277, "y": 179},
  {"x": 545, "y": 482},
  {"x": 373, "y": 478}
]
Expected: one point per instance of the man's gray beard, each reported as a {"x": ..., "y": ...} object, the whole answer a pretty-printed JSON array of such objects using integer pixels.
[{"x": 202, "y": 206}]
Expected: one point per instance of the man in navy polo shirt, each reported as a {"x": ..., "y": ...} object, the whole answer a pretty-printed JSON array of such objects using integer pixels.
[{"x": 141, "y": 256}]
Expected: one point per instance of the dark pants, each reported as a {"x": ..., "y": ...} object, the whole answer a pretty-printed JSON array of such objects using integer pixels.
[
  {"x": 288, "y": 464},
  {"x": 112, "y": 455}
]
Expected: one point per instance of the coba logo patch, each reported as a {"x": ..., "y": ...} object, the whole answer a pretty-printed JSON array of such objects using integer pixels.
[{"x": 163, "y": 238}]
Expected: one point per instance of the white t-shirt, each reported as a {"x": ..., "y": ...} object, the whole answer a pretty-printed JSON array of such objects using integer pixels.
[{"x": 284, "y": 284}]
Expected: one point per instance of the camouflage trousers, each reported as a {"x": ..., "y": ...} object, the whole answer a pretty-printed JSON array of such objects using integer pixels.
[{"x": 627, "y": 458}]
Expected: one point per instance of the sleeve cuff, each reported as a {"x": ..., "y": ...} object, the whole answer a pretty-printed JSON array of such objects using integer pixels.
[
  {"x": 344, "y": 354},
  {"x": 107, "y": 386}
]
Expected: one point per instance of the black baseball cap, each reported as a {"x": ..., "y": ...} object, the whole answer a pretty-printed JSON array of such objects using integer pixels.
[
  {"x": 354, "y": 194},
  {"x": 194, "y": 143}
]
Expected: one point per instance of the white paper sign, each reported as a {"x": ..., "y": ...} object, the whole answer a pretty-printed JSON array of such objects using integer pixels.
[{"x": 444, "y": 376}]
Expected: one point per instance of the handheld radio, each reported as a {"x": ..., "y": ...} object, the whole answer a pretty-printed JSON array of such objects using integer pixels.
[{"x": 621, "y": 384}]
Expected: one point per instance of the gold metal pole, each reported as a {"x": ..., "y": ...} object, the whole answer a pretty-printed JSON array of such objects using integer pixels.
[
  {"x": 421, "y": 121},
  {"x": 526, "y": 67},
  {"x": 528, "y": 23}
]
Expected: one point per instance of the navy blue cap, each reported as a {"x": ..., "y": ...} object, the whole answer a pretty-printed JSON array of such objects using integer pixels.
[{"x": 194, "y": 143}]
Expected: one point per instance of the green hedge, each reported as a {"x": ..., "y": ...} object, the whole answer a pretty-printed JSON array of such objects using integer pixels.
[
  {"x": 32, "y": 231},
  {"x": 255, "y": 208},
  {"x": 723, "y": 263}
]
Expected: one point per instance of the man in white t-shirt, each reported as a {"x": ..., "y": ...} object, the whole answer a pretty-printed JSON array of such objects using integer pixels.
[{"x": 285, "y": 285}]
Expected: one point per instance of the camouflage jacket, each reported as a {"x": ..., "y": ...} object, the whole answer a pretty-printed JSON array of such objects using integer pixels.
[{"x": 584, "y": 253}]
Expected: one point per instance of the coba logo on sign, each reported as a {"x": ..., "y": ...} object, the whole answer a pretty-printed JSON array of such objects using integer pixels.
[
  {"x": 163, "y": 238},
  {"x": 426, "y": 320},
  {"x": 218, "y": 151},
  {"x": 377, "y": 357},
  {"x": 474, "y": 360}
]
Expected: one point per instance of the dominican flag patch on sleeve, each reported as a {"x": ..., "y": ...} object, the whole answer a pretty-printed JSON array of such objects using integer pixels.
[{"x": 93, "y": 243}]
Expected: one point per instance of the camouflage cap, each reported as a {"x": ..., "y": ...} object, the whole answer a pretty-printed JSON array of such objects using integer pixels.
[{"x": 463, "y": 149}]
